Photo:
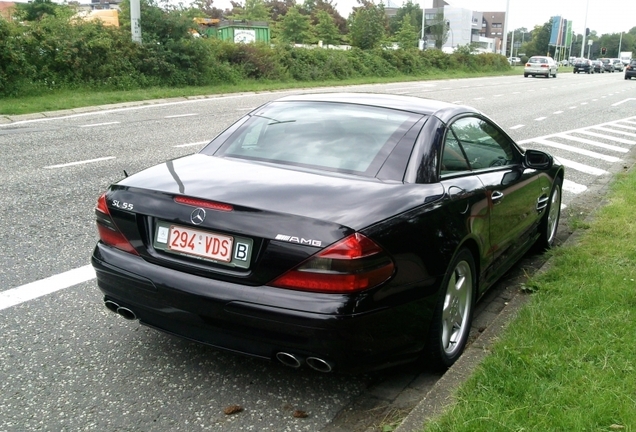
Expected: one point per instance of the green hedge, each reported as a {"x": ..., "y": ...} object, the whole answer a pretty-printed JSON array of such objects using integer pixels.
[{"x": 60, "y": 53}]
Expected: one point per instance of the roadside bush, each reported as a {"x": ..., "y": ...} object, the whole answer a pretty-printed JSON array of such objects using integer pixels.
[{"x": 15, "y": 71}]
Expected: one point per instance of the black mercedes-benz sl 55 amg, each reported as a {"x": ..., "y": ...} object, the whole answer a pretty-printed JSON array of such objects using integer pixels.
[{"x": 343, "y": 232}]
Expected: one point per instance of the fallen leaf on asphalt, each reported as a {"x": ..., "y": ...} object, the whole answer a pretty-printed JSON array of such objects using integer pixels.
[
  {"x": 300, "y": 414},
  {"x": 233, "y": 409}
]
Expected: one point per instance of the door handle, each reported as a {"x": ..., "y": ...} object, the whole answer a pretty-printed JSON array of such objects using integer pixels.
[{"x": 496, "y": 197}]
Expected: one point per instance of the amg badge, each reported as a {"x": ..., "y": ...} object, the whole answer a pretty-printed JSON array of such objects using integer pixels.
[{"x": 299, "y": 240}]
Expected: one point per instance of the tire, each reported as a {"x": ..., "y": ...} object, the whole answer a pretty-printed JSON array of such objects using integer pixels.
[
  {"x": 525, "y": 75},
  {"x": 453, "y": 314},
  {"x": 550, "y": 222}
]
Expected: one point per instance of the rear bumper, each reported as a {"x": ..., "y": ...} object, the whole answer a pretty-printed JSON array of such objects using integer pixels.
[{"x": 262, "y": 321}]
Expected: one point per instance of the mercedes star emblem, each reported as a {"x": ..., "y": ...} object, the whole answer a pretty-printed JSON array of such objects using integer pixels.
[{"x": 198, "y": 216}]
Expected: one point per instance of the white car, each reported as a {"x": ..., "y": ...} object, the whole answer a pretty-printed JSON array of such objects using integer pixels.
[
  {"x": 618, "y": 64},
  {"x": 541, "y": 65}
]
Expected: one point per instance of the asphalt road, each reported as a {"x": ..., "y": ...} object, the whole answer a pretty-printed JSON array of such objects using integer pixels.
[{"x": 66, "y": 363}]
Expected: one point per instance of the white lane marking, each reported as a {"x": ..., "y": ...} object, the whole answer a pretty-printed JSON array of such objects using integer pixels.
[
  {"x": 499, "y": 95},
  {"x": 576, "y": 150},
  {"x": 594, "y": 143},
  {"x": 628, "y": 121},
  {"x": 46, "y": 286},
  {"x": 181, "y": 115},
  {"x": 479, "y": 98},
  {"x": 141, "y": 107},
  {"x": 613, "y": 131},
  {"x": 540, "y": 119},
  {"x": 516, "y": 126},
  {"x": 607, "y": 137},
  {"x": 573, "y": 107},
  {"x": 99, "y": 124},
  {"x": 575, "y": 188},
  {"x": 623, "y": 101},
  {"x": 79, "y": 162},
  {"x": 192, "y": 144},
  {"x": 558, "y": 112},
  {"x": 581, "y": 167},
  {"x": 583, "y": 103}
]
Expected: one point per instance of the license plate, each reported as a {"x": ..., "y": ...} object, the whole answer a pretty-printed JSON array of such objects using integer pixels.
[{"x": 200, "y": 243}]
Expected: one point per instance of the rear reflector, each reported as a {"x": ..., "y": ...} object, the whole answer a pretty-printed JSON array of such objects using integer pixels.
[
  {"x": 353, "y": 264},
  {"x": 196, "y": 202},
  {"x": 108, "y": 231}
]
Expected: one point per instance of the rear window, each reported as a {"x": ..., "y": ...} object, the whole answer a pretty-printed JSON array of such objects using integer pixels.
[
  {"x": 537, "y": 60},
  {"x": 330, "y": 136}
]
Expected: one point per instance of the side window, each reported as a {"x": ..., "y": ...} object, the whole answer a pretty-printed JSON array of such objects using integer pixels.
[
  {"x": 453, "y": 159},
  {"x": 483, "y": 144}
]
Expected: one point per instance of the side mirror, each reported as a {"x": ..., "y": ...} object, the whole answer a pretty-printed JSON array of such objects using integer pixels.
[{"x": 538, "y": 160}]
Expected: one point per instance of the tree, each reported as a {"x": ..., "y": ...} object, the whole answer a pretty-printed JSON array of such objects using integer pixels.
[
  {"x": 278, "y": 8},
  {"x": 412, "y": 12},
  {"x": 37, "y": 9},
  {"x": 295, "y": 27},
  {"x": 326, "y": 29},
  {"x": 329, "y": 7},
  {"x": 253, "y": 10},
  {"x": 437, "y": 30},
  {"x": 366, "y": 25},
  {"x": 539, "y": 44},
  {"x": 206, "y": 7},
  {"x": 407, "y": 36}
]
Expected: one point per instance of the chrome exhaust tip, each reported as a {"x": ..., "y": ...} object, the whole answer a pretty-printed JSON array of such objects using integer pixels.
[
  {"x": 288, "y": 359},
  {"x": 126, "y": 313},
  {"x": 319, "y": 364},
  {"x": 111, "y": 305}
]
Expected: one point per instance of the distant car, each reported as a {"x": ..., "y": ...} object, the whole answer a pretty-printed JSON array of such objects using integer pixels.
[
  {"x": 598, "y": 66},
  {"x": 333, "y": 231},
  {"x": 608, "y": 65},
  {"x": 564, "y": 63},
  {"x": 514, "y": 61},
  {"x": 618, "y": 64},
  {"x": 540, "y": 65},
  {"x": 630, "y": 70},
  {"x": 583, "y": 65}
]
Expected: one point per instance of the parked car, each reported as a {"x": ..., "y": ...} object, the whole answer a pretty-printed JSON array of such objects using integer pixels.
[
  {"x": 597, "y": 66},
  {"x": 618, "y": 64},
  {"x": 514, "y": 61},
  {"x": 540, "y": 65},
  {"x": 630, "y": 70},
  {"x": 335, "y": 231},
  {"x": 608, "y": 65},
  {"x": 583, "y": 65}
]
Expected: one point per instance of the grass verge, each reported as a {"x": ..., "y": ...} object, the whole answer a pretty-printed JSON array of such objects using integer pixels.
[
  {"x": 77, "y": 98},
  {"x": 567, "y": 362}
]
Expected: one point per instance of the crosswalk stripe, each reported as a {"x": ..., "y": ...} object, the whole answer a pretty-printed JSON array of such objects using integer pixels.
[
  {"x": 582, "y": 167},
  {"x": 570, "y": 186},
  {"x": 613, "y": 131},
  {"x": 610, "y": 138},
  {"x": 577, "y": 150},
  {"x": 594, "y": 143}
]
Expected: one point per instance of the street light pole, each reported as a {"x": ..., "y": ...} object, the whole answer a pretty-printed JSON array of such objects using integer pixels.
[
  {"x": 587, "y": 8},
  {"x": 504, "y": 45}
]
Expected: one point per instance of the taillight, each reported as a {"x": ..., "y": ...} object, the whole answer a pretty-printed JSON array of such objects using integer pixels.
[
  {"x": 108, "y": 231},
  {"x": 353, "y": 264},
  {"x": 528, "y": 65},
  {"x": 544, "y": 65}
]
